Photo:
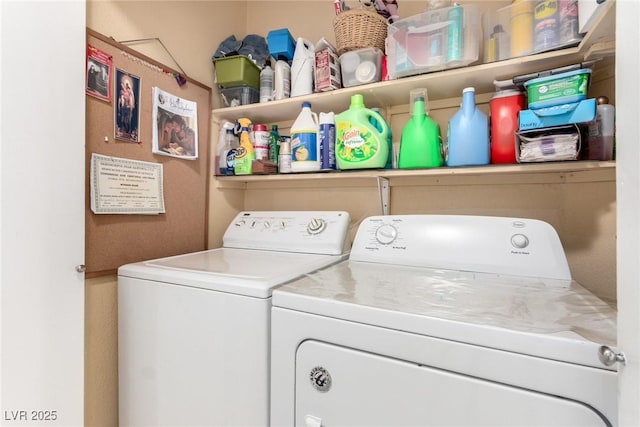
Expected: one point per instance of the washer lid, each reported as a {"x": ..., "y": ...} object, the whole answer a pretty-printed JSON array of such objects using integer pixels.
[
  {"x": 240, "y": 271},
  {"x": 521, "y": 315}
]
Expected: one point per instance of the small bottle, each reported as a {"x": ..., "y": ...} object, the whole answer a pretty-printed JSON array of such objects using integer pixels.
[
  {"x": 221, "y": 148},
  {"x": 274, "y": 144},
  {"x": 266, "y": 84},
  {"x": 261, "y": 141},
  {"x": 501, "y": 43},
  {"x": 282, "y": 80},
  {"x": 602, "y": 132},
  {"x": 227, "y": 159},
  {"x": 284, "y": 156}
]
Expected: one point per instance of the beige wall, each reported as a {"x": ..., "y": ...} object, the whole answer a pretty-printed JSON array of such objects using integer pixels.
[{"x": 582, "y": 211}]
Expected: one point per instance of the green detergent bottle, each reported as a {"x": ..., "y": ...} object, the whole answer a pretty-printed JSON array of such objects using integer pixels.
[
  {"x": 361, "y": 137},
  {"x": 421, "y": 141}
]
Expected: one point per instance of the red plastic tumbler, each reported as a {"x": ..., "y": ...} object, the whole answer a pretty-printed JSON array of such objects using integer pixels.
[{"x": 505, "y": 106}]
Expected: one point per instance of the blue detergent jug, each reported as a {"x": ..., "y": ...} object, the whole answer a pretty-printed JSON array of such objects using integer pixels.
[{"x": 468, "y": 134}]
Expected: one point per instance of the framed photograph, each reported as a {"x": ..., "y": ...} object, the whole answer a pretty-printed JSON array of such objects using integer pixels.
[
  {"x": 98, "y": 79},
  {"x": 127, "y": 106}
]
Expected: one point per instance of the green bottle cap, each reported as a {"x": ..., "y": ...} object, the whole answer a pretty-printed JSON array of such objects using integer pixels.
[{"x": 357, "y": 101}]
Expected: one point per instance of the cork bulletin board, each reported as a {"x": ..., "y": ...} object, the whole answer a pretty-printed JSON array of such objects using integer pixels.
[{"x": 112, "y": 240}]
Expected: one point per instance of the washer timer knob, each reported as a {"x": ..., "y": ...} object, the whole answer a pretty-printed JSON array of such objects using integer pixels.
[
  {"x": 386, "y": 234},
  {"x": 316, "y": 226}
]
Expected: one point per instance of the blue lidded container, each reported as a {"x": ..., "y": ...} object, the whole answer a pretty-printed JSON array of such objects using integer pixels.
[
  {"x": 558, "y": 89},
  {"x": 281, "y": 44}
]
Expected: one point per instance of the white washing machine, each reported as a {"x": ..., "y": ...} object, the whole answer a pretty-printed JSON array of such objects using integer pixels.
[
  {"x": 443, "y": 321},
  {"x": 193, "y": 329}
]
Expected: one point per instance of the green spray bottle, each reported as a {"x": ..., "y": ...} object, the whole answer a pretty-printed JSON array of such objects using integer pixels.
[{"x": 421, "y": 141}]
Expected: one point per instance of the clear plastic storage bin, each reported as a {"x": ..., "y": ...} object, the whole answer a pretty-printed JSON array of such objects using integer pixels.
[
  {"x": 434, "y": 40},
  {"x": 530, "y": 26},
  {"x": 240, "y": 95}
]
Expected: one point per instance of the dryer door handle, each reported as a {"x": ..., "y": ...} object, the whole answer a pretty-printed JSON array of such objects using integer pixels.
[{"x": 609, "y": 356}]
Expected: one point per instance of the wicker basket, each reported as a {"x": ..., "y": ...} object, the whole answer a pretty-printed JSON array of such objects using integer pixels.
[{"x": 359, "y": 28}]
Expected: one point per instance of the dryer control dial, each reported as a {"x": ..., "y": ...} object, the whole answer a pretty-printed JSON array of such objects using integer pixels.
[
  {"x": 386, "y": 234},
  {"x": 316, "y": 226}
]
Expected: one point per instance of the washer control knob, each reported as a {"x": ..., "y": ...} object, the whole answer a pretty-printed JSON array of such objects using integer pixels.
[
  {"x": 316, "y": 226},
  {"x": 519, "y": 241},
  {"x": 386, "y": 234},
  {"x": 267, "y": 224}
]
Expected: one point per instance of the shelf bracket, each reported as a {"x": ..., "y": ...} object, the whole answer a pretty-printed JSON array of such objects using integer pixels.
[{"x": 384, "y": 191}]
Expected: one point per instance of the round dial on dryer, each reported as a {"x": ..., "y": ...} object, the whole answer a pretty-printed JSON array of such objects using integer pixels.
[
  {"x": 386, "y": 234},
  {"x": 316, "y": 226}
]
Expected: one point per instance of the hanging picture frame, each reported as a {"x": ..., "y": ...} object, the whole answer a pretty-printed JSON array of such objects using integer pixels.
[
  {"x": 127, "y": 106},
  {"x": 98, "y": 73}
]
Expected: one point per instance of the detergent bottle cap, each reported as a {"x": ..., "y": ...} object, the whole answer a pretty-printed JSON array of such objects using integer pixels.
[
  {"x": 418, "y": 101},
  {"x": 357, "y": 101}
]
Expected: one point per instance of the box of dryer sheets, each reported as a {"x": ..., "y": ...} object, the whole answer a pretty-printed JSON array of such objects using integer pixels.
[{"x": 327, "y": 67}]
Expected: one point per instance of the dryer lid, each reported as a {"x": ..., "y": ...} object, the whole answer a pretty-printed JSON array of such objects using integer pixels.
[{"x": 522, "y": 315}]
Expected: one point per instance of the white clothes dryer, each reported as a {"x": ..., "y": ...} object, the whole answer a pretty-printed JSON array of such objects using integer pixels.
[
  {"x": 440, "y": 320},
  {"x": 193, "y": 329}
]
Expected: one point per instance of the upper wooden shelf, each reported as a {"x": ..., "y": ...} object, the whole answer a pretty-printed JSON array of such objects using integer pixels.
[{"x": 599, "y": 42}]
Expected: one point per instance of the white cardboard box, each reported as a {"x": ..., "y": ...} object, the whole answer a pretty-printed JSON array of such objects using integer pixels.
[{"x": 327, "y": 69}]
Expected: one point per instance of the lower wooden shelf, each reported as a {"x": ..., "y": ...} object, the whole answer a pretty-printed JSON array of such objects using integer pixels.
[{"x": 551, "y": 172}]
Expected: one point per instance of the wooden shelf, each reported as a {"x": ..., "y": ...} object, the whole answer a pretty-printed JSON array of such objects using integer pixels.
[
  {"x": 551, "y": 172},
  {"x": 441, "y": 85}
]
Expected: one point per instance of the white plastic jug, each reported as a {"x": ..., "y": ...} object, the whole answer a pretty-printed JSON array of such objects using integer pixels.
[
  {"x": 305, "y": 146},
  {"x": 302, "y": 68}
]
